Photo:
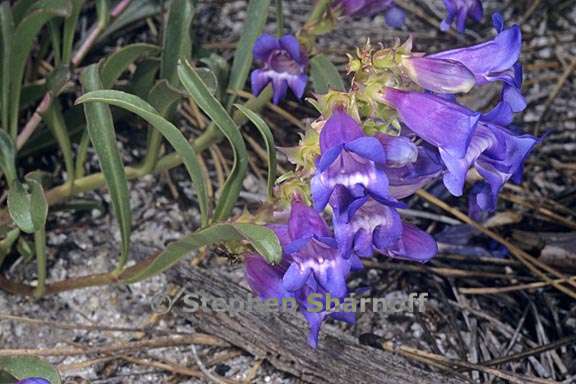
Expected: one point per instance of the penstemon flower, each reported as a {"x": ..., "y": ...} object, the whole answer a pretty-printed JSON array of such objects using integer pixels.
[
  {"x": 284, "y": 63},
  {"x": 348, "y": 158},
  {"x": 459, "y": 11},
  {"x": 398, "y": 128},
  {"x": 393, "y": 15},
  {"x": 311, "y": 264}
]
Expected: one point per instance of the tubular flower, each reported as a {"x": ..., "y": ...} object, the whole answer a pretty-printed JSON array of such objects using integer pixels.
[
  {"x": 311, "y": 263},
  {"x": 459, "y": 11},
  {"x": 350, "y": 159},
  {"x": 284, "y": 63},
  {"x": 497, "y": 154},
  {"x": 393, "y": 15}
]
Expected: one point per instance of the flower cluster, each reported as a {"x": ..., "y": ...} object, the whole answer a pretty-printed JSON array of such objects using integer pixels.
[{"x": 398, "y": 128}]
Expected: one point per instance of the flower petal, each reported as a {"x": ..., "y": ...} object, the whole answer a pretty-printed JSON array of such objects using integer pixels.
[
  {"x": 279, "y": 88},
  {"x": 298, "y": 85},
  {"x": 258, "y": 80},
  {"x": 369, "y": 148},
  {"x": 493, "y": 56},
  {"x": 264, "y": 279},
  {"x": 295, "y": 277},
  {"x": 400, "y": 150},
  {"x": 264, "y": 46},
  {"x": 415, "y": 245},
  {"x": 292, "y": 46},
  {"x": 340, "y": 128},
  {"x": 305, "y": 222},
  {"x": 439, "y": 75}
]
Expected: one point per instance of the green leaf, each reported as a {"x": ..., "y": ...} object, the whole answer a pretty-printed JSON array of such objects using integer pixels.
[
  {"x": 325, "y": 76},
  {"x": 163, "y": 96},
  {"x": 103, "y": 137},
  {"x": 208, "y": 103},
  {"x": 266, "y": 133},
  {"x": 168, "y": 130},
  {"x": 220, "y": 69},
  {"x": 177, "y": 44},
  {"x": 55, "y": 122},
  {"x": 70, "y": 29},
  {"x": 119, "y": 61},
  {"x": 253, "y": 26},
  {"x": 21, "y": 8},
  {"x": 6, "y": 36},
  {"x": 6, "y": 244},
  {"x": 21, "y": 367},
  {"x": 143, "y": 78},
  {"x": 8, "y": 157},
  {"x": 28, "y": 210},
  {"x": 261, "y": 238},
  {"x": 209, "y": 79},
  {"x": 40, "y": 13}
]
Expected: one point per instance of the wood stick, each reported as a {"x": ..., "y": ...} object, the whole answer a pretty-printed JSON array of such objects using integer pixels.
[{"x": 281, "y": 338}]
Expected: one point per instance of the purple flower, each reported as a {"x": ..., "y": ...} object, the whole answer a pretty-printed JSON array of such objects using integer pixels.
[
  {"x": 442, "y": 123},
  {"x": 266, "y": 281},
  {"x": 33, "y": 380},
  {"x": 311, "y": 263},
  {"x": 364, "y": 225},
  {"x": 494, "y": 60},
  {"x": 284, "y": 63},
  {"x": 497, "y": 154},
  {"x": 350, "y": 159},
  {"x": 393, "y": 15},
  {"x": 461, "y": 10}
]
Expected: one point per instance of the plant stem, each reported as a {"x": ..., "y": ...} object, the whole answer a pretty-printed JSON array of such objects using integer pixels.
[
  {"x": 279, "y": 18},
  {"x": 40, "y": 247}
]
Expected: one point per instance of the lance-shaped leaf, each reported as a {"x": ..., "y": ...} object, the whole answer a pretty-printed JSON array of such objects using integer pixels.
[
  {"x": 253, "y": 26},
  {"x": 324, "y": 75},
  {"x": 177, "y": 44},
  {"x": 212, "y": 107},
  {"x": 266, "y": 133},
  {"x": 39, "y": 14},
  {"x": 6, "y": 36},
  {"x": 168, "y": 130},
  {"x": 103, "y": 137},
  {"x": 119, "y": 61},
  {"x": 261, "y": 238},
  {"x": 70, "y": 30},
  {"x": 8, "y": 156},
  {"x": 21, "y": 367},
  {"x": 57, "y": 125}
]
